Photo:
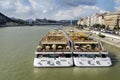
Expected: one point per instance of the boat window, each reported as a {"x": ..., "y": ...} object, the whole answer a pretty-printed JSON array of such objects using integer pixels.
[
  {"x": 39, "y": 55},
  {"x": 90, "y": 55},
  {"x": 81, "y": 55},
  {"x": 104, "y": 55},
  {"x": 50, "y": 55},
  {"x": 62, "y": 55},
  {"x": 97, "y": 55},
  {"x": 67, "y": 55},
  {"x": 45, "y": 55},
  {"x": 56, "y": 55},
  {"x": 75, "y": 55}
]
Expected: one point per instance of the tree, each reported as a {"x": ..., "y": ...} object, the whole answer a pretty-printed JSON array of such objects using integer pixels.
[
  {"x": 116, "y": 28},
  {"x": 96, "y": 26},
  {"x": 103, "y": 26},
  {"x": 80, "y": 26}
]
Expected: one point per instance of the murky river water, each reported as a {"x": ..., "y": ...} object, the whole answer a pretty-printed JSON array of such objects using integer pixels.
[{"x": 17, "y": 47}]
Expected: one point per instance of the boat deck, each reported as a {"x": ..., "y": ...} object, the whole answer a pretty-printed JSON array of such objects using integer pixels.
[
  {"x": 54, "y": 41},
  {"x": 54, "y": 37},
  {"x": 44, "y": 49},
  {"x": 83, "y": 43}
]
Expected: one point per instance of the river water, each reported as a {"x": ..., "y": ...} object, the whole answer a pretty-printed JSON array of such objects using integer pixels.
[{"x": 17, "y": 47}]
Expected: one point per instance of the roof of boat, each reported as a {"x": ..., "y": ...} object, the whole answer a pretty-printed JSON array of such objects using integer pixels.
[
  {"x": 80, "y": 37},
  {"x": 86, "y": 42},
  {"x": 54, "y": 36}
]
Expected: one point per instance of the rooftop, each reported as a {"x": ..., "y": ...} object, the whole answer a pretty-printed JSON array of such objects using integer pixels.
[
  {"x": 54, "y": 37},
  {"x": 113, "y": 13}
]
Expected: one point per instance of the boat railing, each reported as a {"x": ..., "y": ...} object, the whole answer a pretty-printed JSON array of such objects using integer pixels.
[
  {"x": 91, "y": 55},
  {"x": 87, "y": 49},
  {"x": 60, "y": 55},
  {"x": 51, "y": 50},
  {"x": 78, "y": 40}
]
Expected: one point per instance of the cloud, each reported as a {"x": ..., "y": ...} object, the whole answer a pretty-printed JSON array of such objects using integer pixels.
[
  {"x": 53, "y": 9},
  {"x": 15, "y": 8},
  {"x": 77, "y": 12},
  {"x": 75, "y": 2},
  {"x": 20, "y": 8},
  {"x": 45, "y": 11},
  {"x": 117, "y": 8},
  {"x": 41, "y": 5},
  {"x": 6, "y": 4},
  {"x": 80, "y": 2},
  {"x": 117, "y": 0}
]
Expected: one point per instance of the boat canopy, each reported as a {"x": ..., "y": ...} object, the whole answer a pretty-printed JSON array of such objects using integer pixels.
[
  {"x": 86, "y": 42},
  {"x": 45, "y": 42}
]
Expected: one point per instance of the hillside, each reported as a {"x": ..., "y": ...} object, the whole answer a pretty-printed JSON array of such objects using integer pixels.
[{"x": 4, "y": 19}]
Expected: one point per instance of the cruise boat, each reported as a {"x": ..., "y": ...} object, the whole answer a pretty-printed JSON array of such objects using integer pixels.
[
  {"x": 54, "y": 50},
  {"x": 88, "y": 52}
]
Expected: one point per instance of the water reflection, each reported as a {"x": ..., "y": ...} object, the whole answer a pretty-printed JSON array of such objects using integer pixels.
[
  {"x": 53, "y": 73},
  {"x": 90, "y": 71}
]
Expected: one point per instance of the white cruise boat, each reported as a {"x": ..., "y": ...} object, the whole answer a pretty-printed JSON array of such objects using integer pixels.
[
  {"x": 88, "y": 52},
  {"x": 54, "y": 50}
]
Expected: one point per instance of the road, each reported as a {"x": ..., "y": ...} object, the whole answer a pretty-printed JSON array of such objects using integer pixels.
[{"x": 109, "y": 40}]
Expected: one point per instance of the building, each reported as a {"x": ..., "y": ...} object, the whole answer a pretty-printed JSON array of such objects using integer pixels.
[
  {"x": 112, "y": 20},
  {"x": 83, "y": 21},
  {"x": 97, "y": 19},
  {"x": 101, "y": 19},
  {"x": 80, "y": 22},
  {"x": 88, "y": 21}
]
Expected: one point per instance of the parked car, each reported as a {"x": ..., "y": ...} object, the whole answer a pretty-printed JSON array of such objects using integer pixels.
[
  {"x": 110, "y": 31},
  {"x": 103, "y": 30},
  {"x": 101, "y": 35}
]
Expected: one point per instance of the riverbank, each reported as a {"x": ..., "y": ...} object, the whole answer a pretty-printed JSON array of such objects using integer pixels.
[
  {"x": 29, "y": 25},
  {"x": 110, "y": 40}
]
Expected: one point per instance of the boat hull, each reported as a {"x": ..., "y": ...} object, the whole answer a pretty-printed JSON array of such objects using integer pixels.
[
  {"x": 53, "y": 62},
  {"x": 58, "y": 62},
  {"x": 92, "y": 62}
]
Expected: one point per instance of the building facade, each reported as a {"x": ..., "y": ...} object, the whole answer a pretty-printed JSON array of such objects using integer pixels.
[{"x": 112, "y": 20}]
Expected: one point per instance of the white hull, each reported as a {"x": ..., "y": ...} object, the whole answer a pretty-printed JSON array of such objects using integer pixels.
[
  {"x": 92, "y": 62},
  {"x": 53, "y": 62},
  {"x": 85, "y": 62}
]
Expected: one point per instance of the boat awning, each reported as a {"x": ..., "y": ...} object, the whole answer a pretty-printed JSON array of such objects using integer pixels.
[
  {"x": 86, "y": 52},
  {"x": 54, "y": 42},
  {"x": 86, "y": 42},
  {"x": 53, "y": 53}
]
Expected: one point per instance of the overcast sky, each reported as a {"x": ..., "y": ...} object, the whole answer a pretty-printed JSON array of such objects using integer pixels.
[{"x": 56, "y": 9}]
